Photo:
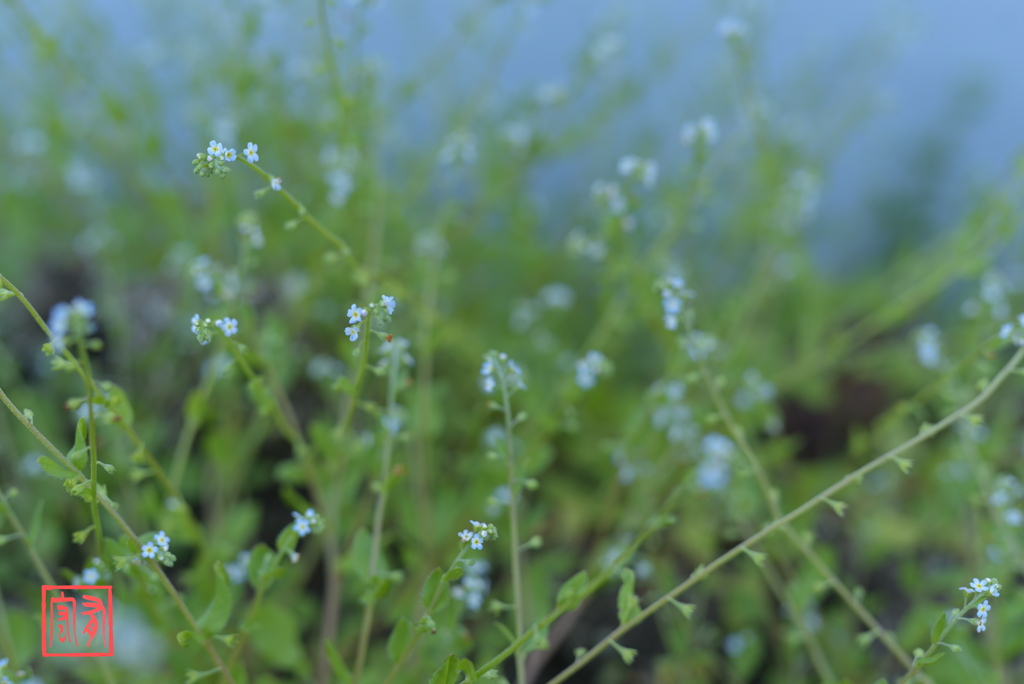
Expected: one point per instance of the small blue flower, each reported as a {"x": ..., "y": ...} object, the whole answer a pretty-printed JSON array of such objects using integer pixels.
[
  {"x": 389, "y": 303},
  {"x": 352, "y": 332},
  {"x": 250, "y": 153}
]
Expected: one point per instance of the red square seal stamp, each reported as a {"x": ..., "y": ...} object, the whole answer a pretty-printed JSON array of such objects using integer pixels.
[{"x": 78, "y": 621}]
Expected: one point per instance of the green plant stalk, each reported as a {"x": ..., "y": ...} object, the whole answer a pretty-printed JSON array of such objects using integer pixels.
[
  {"x": 5, "y": 633},
  {"x": 37, "y": 562},
  {"x": 818, "y": 658},
  {"x": 187, "y": 436},
  {"x": 407, "y": 651},
  {"x": 94, "y": 506},
  {"x": 856, "y": 476},
  {"x": 257, "y": 601},
  {"x": 917, "y": 665},
  {"x": 513, "y": 522},
  {"x": 111, "y": 509},
  {"x": 394, "y": 366},
  {"x": 154, "y": 465},
  {"x": 770, "y": 495}
]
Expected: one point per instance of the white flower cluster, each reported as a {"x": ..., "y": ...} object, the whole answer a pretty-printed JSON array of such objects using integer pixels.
[
  {"x": 158, "y": 549},
  {"x": 249, "y": 227},
  {"x": 703, "y": 131},
  {"x": 608, "y": 194},
  {"x": 1013, "y": 331},
  {"x": 201, "y": 328},
  {"x": 755, "y": 390},
  {"x": 987, "y": 586},
  {"x": 715, "y": 469},
  {"x": 590, "y": 368},
  {"x": 475, "y": 585},
  {"x": 459, "y": 146},
  {"x": 77, "y": 318},
  {"x": 674, "y": 294},
  {"x": 498, "y": 367},
  {"x": 1005, "y": 498},
  {"x": 481, "y": 532},
  {"x": 308, "y": 522},
  {"x": 638, "y": 168},
  {"x": 673, "y": 416}
]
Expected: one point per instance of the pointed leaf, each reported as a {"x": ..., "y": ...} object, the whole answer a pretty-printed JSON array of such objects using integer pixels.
[
  {"x": 337, "y": 664},
  {"x": 80, "y": 536},
  {"x": 448, "y": 672},
  {"x": 51, "y": 467},
  {"x": 219, "y": 610},
  {"x": 399, "y": 639},
  {"x": 685, "y": 608},
  {"x": 937, "y": 628},
  {"x": 933, "y": 658},
  {"x": 186, "y": 637},
  {"x": 628, "y": 655},
  {"x": 430, "y": 587},
  {"x": 628, "y": 603},
  {"x": 571, "y": 593}
]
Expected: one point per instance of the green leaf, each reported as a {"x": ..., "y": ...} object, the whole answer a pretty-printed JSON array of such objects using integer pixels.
[
  {"x": 260, "y": 396},
  {"x": 685, "y": 608},
  {"x": 838, "y": 506},
  {"x": 933, "y": 658},
  {"x": 219, "y": 610},
  {"x": 37, "y": 522},
  {"x": 937, "y": 628},
  {"x": 448, "y": 672},
  {"x": 106, "y": 466},
  {"x": 400, "y": 637},
  {"x": 905, "y": 464},
  {"x": 337, "y": 664},
  {"x": 261, "y": 561},
  {"x": 466, "y": 665},
  {"x": 430, "y": 586},
  {"x": 50, "y": 467},
  {"x": 571, "y": 592},
  {"x": 952, "y": 647},
  {"x": 343, "y": 384},
  {"x": 7, "y": 538},
  {"x": 758, "y": 557},
  {"x": 453, "y": 574},
  {"x": 628, "y": 654},
  {"x": 186, "y": 637},
  {"x": 229, "y": 640},
  {"x": 628, "y": 603},
  {"x": 357, "y": 561},
  {"x": 865, "y": 639},
  {"x": 5, "y": 294},
  {"x": 80, "y": 452},
  {"x": 117, "y": 402},
  {"x": 80, "y": 536}
]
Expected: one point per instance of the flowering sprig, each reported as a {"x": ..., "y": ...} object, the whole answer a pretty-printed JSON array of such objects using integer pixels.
[
  {"x": 674, "y": 295},
  {"x": 202, "y": 328},
  {"x": 155, "y": 547},
  {"x": 215, "y": 161},
  {"x": 380, "y": 312},
  {"x": 307, "y": 523},
  {"x": 589, "y": 368},
  {"x": 700, "y": 133},
  {"x": 481, "y": 532},
  {"x": 497, "y": 367},
  {"x": 640, "y": 169}
]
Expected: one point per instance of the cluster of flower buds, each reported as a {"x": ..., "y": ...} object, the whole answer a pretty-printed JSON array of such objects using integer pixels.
[
  {"x": 308, "y": 522},
  {"x": 985, "y": 587},
  {"x": 381, "y": 311},
  {"x": 158, "y": 548},
  {"x": 202, "y": 328},
  {"x": 674, "y": 295}
]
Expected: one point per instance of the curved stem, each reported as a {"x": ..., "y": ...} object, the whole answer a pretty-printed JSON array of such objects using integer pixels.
[
  {"x": 394, "y": 366},
  {"x": 856, "y": 476},
  {"x": 94, "y": 507},
  {"x": 37, "y": 562},
  {"x": 111, "y": 509}
]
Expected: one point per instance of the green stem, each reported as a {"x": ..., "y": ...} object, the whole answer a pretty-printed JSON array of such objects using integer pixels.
[
  {"x": 918, "y": 661},
  {"x": 94, "y": 507},
  {"x": 513, "y": 518},
  {"x": 438, "y": 593},
  {"x": 189, "y": 430},
  {"x": 111, "y": 509},
  {"x": 851, "y": 478},
  {"x": 394, "y": 366},
  {"x": 37, "y": 562}
]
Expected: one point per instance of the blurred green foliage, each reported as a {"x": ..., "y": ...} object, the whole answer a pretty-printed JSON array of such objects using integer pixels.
[{"x": 95, "y": 200}]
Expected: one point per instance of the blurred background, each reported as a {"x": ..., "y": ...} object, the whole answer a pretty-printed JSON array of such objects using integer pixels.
[{"x": 850, "y": 222}]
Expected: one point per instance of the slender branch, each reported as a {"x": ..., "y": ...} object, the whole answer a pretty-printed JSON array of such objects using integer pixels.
[
  {"x": 856, "y": 476},
  {"x": 771, "y": 496},
  {"x": 37, "y": 562},
  {"x": 111, "y": 509},
  {"x": 394, "y": 366},
  {"x": 94, "y": 506},
  {"x": 513, "y": 517}
]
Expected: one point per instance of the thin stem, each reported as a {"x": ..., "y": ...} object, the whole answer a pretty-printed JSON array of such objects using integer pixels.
[
  {"x": 37, "y": 562},
  {"x": 94, "y": 506},
  {"x": 5, "y": 634},
  {"x": 856, "y": 476},
  {"x": 394, "y": 366},
  {"x": 187, "y": 436},
  {"x": 513, "y": 519},
  {"x": 112, "y": 511},
  {"x": 950, "y": 624},
  {"x": 397, "y": 667},
  {"x": 771, "y": 496}
]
